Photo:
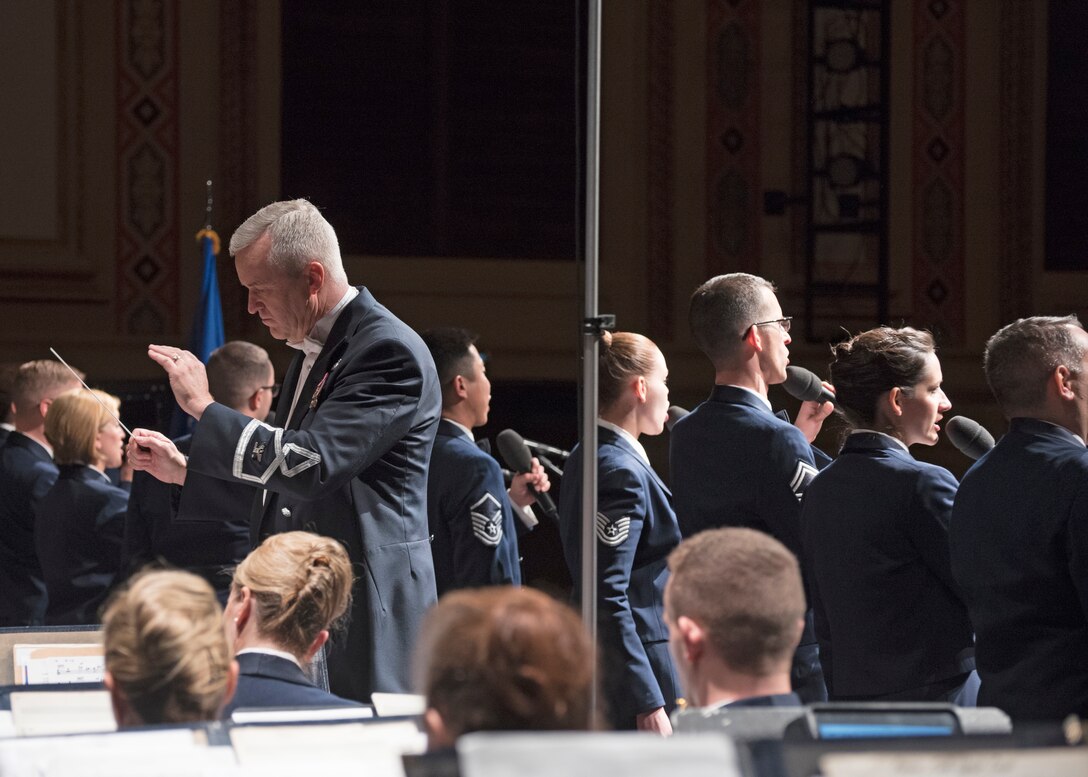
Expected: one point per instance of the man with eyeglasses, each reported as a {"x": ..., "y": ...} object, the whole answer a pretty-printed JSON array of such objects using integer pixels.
[
  {"x": 217, "y": 536},
  {"x": 733, "y": 460}
]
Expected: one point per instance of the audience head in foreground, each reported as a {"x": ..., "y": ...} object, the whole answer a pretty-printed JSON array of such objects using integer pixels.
[
  {"x": 285, "y": 597},
  {"x": 735, "y": 609},
  {"x": 167, "y": 658},
  {"x": 502, "y": 658}
]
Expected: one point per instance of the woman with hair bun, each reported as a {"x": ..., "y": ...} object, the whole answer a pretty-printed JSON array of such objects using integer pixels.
[
  {"x": 80, "y": 522},
  {"x": 284, "y": 598},
  {"x": 635, "y": 529},
  {"x": 167, "y": 658},
  {"x": 889, "y": 618}
]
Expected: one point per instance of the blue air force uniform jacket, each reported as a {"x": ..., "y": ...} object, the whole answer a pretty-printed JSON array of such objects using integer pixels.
[
  {"x": 266, "y": 680},
  {"x": 27, "y": 472},
  {"x": 472, "y": 522},
  {"x": 1020, "y": 554},
  {"x": 208, "y": 545},
  {"x": 80, "y": 524},
  {"x": 889, "y": 617},
  {"x": 733, "y": 462},
  {"x": 635, "y": 530},
  {"x": 350, "y": 464}
]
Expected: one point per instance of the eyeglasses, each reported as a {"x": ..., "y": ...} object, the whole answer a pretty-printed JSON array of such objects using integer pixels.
[
  {"x": 274, "y": 388},
  {"x": 782, "y": 322}
]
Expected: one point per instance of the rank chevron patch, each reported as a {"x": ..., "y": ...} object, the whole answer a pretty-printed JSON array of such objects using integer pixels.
[
  {"x": 487, "y": 520},
  {"x": 613, "y": 531}
]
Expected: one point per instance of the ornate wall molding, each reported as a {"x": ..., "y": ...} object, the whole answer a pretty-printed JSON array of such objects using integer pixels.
[
  {"x": 147, "y": 166},
  {"x": 732, "y": 141},
  {"x": 938, "y": 168}
]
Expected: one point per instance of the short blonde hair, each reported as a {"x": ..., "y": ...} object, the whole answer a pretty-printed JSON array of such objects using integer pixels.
[
  {"x": 73, "y": 422},
  {"x": 301, "y": 584},
  {"x": 166, "y": 648}
]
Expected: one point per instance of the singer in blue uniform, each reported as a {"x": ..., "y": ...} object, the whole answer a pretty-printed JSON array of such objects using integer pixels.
[
  {"x": 635, "y": 531},
  {"x": 889, "y": 618},
  {"x": 81, "y": 521},
  {"x": 360, "y": 405},
  {"x": 470, "y": 511},
  {"x": 732, "y": 460},
  {"x": 1020, "y": 525}
]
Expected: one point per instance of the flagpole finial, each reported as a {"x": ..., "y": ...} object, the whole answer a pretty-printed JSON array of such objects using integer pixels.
[{"x": 208, "y": 209}]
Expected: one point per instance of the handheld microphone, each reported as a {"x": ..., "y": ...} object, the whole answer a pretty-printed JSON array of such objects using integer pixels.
[
  {"x": 516, "y": 454},
  {"x": 675, "y": 414},
  {"x": 805, "y": 385},
  {"x": 970, "y": 437},
  {"x": 542, "y": 448}
]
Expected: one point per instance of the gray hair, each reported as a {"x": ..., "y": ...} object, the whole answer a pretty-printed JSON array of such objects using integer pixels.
[
  {"x": 1022, "y": 356},
  {"x": 235, "y": 371},
  {"x": 722, "y": 310},
  {"x": 298, "y": 233}
]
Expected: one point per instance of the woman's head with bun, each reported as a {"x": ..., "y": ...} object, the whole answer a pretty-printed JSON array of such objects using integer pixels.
[
  {"x": 288, "y": 593},
  {"x": 633, "y": 387}
]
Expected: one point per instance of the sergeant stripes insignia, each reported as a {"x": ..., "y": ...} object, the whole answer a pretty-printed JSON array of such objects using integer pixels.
[
  {"x": 486, "y": 517},
  {"x": 802, "y": 476},
  {"x": 613, "y": 532}
]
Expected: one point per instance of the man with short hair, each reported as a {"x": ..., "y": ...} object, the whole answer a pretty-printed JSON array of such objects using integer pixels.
[
  {"x": 27, "y": 472},
  {"x": 470, "y": 511},
  {"x": 735, "y": 608},
  {"x": 1019, "y": 525},
  {"x": 240, "y": 376},
  {"x": 358, "y": 412},
  {"x": 733, "y": 461}
]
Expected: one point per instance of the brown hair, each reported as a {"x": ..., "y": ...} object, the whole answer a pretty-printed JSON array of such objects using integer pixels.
[
  {"x": 744, "y": 587},
  {"x": 166, "y": 648},
  {"x": 74, "y": 421},
  {"x": 236, "y": 370},
  {"x": 722, "y": 310},
  {"x": 38, "y": 380},
  {"x": 505, "y": 658},
  {"x": 301, "y": 584},
  {"x": 1021, "y": 356},
  {"x": 874, "y": 362},
  {"x": 622, "y": 356}
]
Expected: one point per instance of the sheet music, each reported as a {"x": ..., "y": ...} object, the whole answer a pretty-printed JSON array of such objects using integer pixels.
[
  {"x": 63, "y": 663},
  {"x": 299, "y": 714},
  {"x": 1063, "y": 762},
  {"x": 43, "y": 713},
  {"x": 373, "y": 749},
  {"x": 386, "y": 705}
]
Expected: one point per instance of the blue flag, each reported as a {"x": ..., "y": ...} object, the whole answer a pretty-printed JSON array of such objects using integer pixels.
[{"x": 207, "y": 333}]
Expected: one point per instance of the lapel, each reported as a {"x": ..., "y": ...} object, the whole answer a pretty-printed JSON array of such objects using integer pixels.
[
  {"x": 287, "y": 390},
  {"x": 335, "y": 345},
  {"x": 606, "y": 436}
]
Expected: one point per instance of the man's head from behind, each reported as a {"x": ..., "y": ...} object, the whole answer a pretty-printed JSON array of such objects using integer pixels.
[
  {"x": 36, "y": 385},
  {"x": 466, "y": 390},
  {"x": 735, "y": 606},
  {"x": 241, "y": 376},
  {"x": 735, "y": 316},
  {"x": 288, "y": 258},
  {"x": 1033, "y": 364}
]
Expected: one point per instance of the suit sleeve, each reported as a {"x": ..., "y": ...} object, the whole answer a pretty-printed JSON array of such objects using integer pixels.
[
  {"x": 791, "y": 469},
  {"x": 477, "y": 524},
  {"x": 364, "y": 405},
  {"x": 622, "y": 507},
  {"x": 927, "y": 522}
]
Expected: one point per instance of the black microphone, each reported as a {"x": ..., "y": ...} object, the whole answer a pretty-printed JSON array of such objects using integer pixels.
[
  {"x": 516, "y": 454},
  {"x": 542, "y": 448},
  {"x": 804, "y": 385},
  {"x": 675, "y": 414},
  {"x": 970, "y": 437}
]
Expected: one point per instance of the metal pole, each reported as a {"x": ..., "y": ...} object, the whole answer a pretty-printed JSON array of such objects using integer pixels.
[{"x": 590, "y": 334}]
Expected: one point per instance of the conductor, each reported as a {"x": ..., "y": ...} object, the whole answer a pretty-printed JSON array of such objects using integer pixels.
[{"x": 360, "y": 405}]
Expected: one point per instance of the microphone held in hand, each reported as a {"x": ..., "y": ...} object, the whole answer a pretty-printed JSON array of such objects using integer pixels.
[
  {"x": 970, "y": 437},
  {"x": 675, "y": 414},
  {"x": 516, "y": 455},
  {"x": 804, "y": 385}
]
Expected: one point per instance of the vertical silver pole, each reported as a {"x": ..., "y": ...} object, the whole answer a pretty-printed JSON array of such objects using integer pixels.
[{"x": 589, "y": 336}]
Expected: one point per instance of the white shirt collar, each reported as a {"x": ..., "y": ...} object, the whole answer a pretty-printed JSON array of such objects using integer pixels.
[
  {"x": 315, "y": 340},
  {"x": 464, "y": 429},
  {"x": 627, "y": 436},
  {"x": 896, "y": 440},
  {"x": 766, "y": 402},
  {"x": 270, "y": 652},
  {"x": 8, "y": 427}
]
